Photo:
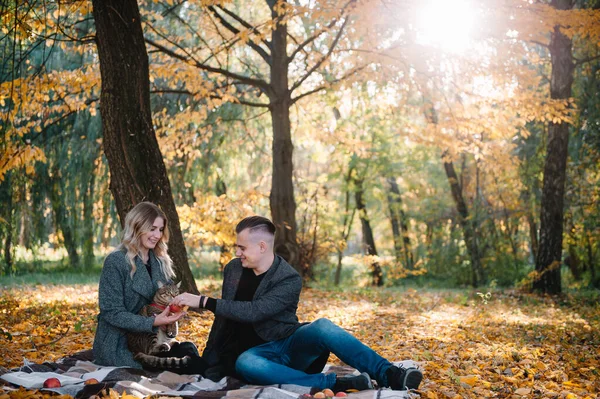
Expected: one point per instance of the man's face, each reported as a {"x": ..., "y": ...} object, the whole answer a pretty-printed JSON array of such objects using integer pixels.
[{"x": 248, "y": 249}]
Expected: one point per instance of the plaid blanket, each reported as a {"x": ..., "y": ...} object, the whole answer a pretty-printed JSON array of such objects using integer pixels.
[{"x": 74, "y": 370}]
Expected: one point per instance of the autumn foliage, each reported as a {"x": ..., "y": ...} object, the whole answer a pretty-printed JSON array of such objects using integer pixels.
[{"x": 470, "y": 345}]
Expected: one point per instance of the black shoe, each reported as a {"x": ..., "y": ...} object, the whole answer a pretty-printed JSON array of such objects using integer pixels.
[
  {"x": 400, "y": 378},
  {"x": 356, "y": 382}
]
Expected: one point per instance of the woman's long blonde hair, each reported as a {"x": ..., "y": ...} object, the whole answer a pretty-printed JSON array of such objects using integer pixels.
[{"x": 138, "y": 221}]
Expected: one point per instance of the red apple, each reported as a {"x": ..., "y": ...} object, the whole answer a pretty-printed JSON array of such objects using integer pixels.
[
  {"x": 175, "y": 308},
  {"x": 341, "y": 394},
  {"x": 90, "y": 381},
  {"x": 52, "y": 383}
]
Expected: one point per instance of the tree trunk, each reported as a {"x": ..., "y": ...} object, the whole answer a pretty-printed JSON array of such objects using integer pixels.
[
  {"x": 591, "y": 261},
  {"x": 346, "y": 225},
  {"x": 61, "y": 221},
  {"x": 533, "y": 230},
  {"x": 402, "y": 246},
  {"x": 282, "y": 201},
  {"x": 478, "y": 274},
  {"x": 367, "y": 233},
  {"x": 88, "y": 223},
  {"x": 136, "y": 164},
  {"x": 6, "y": 191},
  {"x": 548, "y": 261}
]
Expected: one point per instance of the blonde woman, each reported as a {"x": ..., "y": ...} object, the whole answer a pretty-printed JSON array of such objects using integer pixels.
[{"x": 129, "y": 279}]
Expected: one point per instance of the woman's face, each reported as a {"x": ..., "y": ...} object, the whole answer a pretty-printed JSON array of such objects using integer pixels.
[{"x": 152, "y": 237}]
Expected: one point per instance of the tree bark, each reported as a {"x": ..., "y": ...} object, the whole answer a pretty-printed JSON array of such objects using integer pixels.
[
  {"x": 548, "y": 261},
  {"x": 136, "y": 164},
  {"x": 367, "y": 233},
  {"x": 402, "y": 246},
  {"x": 478, "y": 276},
  {"x": 282, "y": 201}
]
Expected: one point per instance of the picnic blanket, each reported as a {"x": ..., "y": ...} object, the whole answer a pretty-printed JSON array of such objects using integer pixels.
[{"x": 74, "y": 370}]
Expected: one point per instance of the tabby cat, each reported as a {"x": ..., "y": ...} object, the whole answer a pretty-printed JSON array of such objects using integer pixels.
[{"x": 146, "y": 346}]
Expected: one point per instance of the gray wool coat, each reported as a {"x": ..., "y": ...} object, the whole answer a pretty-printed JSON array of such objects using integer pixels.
[
  {"x": 272, "y": 310},
  {"x": 120, "y": 297}
]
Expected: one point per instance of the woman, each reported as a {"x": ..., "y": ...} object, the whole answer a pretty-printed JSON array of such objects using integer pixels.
[{"x": 129, "y": 279}]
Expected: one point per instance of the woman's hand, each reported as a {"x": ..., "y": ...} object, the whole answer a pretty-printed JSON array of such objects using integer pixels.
[
  {"x": 186, "y": 299},
  {"x": 166, "y": 317}
]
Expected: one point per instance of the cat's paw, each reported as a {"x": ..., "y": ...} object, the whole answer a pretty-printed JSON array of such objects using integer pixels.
[{"x": 164, "y": 347}]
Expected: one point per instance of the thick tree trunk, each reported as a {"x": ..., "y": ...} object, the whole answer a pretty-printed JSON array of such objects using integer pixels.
[
  {"x": 548, "y": 261},
  {"x": 402, "y": 246},
  {"x": 367, "y": 233},
  {"x": 282, "y": 201},
  {"x": 478, "y": 274},
  {"x": 136, "y": 164}
]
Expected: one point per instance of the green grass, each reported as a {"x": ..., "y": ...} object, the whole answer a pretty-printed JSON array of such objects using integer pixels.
[{"x": 46, "y": 278}]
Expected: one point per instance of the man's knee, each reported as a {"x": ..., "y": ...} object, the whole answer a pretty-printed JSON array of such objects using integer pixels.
[
  {"x": 243, "y": 362},
  {"x": 323, "y": 324}
]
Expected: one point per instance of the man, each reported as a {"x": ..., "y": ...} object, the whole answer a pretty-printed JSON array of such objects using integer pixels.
[{"x": 256, "y": 329}]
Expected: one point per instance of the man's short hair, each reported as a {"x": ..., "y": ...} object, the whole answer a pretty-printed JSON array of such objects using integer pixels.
[{"x": 256, "y": 224}]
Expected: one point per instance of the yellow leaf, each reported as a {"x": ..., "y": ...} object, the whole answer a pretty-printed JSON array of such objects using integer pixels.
[
  {"x": 523, "y": 391},
  {"x": 469, "y": 380}
]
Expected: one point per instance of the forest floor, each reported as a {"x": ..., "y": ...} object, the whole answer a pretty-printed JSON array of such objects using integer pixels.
[{"x": 508, "y": 344}]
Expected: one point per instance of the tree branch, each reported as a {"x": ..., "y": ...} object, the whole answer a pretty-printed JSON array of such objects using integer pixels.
[
  {"x": 261, "y": 51},
  {"x": 244, "y": 79},
  {"x": 539, "y": 43},
  {"x": 244, "y": 24},
  {"x": 325, "y": 86},
  {"x": 322, "y": 60},
  {"x": 213, "y": 96},
  {"x": 315, "y": 36},
  {"x": 579, "y": 62}
]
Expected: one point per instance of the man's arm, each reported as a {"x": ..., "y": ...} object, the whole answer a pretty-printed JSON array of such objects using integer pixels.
[{"x": 281, "y": 295}]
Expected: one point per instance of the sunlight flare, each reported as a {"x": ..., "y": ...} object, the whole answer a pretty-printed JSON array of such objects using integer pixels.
[{"x": 444, "y": 24}]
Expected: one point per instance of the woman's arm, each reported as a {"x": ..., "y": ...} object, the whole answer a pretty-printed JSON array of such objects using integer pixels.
[{"x": 111, "y": 299}]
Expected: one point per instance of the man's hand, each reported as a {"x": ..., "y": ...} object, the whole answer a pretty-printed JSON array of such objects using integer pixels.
[{"x": 186, "y": 299}]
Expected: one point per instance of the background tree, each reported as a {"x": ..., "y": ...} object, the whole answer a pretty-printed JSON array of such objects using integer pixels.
[
  {"x": 283, "y": 71},
  {"x": 137, "y": 168}
]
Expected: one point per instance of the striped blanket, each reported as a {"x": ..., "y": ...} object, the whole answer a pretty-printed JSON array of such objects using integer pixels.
[{"x": 74, "y": 371}]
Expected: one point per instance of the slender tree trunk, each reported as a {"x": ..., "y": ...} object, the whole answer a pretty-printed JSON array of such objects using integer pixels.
[
  {"x": 25, "y": 220},
  {"x": 6, "y": 191},
  {"x": 61, "y": 221},
  {"x": 478, "y": 274},
  {"x": 548, "y": 261},
  {"x": 367, "y": 233},
  {"x": 346, "y": 225},
  {"x": 282, "y": 201},
  {"x": 402, "y": 245},
  {"x": 221, "y": 189},
  {"x": 136, "y": 164},
  {"x": 88, "y": 223},
  {"x": 591, "y": 261},
  {"x": 106, "y": 225}
]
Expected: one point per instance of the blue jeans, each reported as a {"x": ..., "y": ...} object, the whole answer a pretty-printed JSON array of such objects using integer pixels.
[{"x": 283, "y": 361}]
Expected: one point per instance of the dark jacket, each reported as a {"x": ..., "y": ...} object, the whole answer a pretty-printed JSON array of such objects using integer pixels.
[
  {"x": 272, "y": 311},
  {"x": 120, "y": 297}
]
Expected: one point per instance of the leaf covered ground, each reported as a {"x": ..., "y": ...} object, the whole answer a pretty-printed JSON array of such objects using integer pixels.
[{"x": 506, "y": 345}]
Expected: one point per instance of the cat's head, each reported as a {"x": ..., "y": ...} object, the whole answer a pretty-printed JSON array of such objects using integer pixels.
[{"x": 166, "y": 292}]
